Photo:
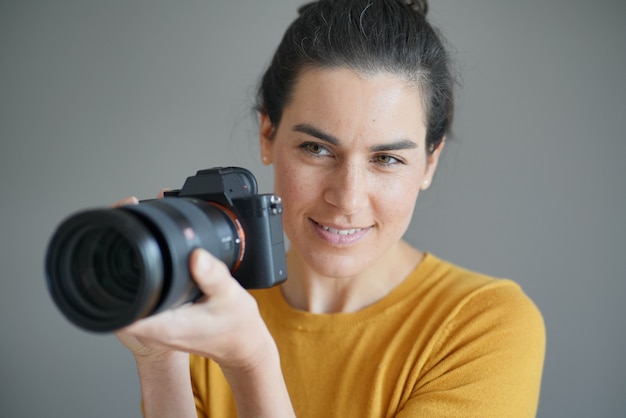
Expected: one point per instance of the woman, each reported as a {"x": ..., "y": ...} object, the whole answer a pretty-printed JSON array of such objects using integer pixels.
[{"x": 354, "y": 110}]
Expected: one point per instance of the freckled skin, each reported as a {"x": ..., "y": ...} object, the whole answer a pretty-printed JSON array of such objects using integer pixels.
[{"x": 335, "y": 165}]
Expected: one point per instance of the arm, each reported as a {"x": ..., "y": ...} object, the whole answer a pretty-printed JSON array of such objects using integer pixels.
[
  {"x": 166, "y": 386},
  {"x": 260, "y": 391}
]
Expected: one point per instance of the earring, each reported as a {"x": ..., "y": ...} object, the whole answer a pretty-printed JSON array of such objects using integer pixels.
[{"x": 425, "y": 183}]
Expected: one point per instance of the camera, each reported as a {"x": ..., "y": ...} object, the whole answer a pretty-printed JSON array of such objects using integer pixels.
[{"x": 106, "y": 268}]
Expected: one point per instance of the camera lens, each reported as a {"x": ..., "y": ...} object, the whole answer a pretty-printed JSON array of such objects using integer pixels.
[{"x": 106, "y": 268}]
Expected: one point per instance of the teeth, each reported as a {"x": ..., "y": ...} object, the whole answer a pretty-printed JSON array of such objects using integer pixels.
[{"x": 340, "y": 231}]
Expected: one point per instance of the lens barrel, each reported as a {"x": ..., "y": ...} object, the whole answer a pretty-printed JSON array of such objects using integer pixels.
[{"x": 106, "y": 268}]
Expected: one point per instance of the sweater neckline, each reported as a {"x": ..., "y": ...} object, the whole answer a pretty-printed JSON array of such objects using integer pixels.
[{"x": 314, "y": 322}]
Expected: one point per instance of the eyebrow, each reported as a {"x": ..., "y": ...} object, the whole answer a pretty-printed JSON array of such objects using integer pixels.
[{"x": 311, "y": 130}]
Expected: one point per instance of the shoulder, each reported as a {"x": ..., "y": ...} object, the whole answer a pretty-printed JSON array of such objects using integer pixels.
[
  {"x": 487, "y": 315},
  {"x": 489, "y": 343},
  {"x": 498, "y": 311},
  {"x": 467, "y": 290},
  {"x": 475, "y": 309}
]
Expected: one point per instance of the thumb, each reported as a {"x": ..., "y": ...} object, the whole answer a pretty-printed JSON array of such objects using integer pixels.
[{"x": 210, "y": 274}]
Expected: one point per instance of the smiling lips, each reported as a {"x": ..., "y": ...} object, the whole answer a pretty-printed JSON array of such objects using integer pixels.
[
  {"x": 336, "y": 236},
  {"x": 340, "y": 231}
]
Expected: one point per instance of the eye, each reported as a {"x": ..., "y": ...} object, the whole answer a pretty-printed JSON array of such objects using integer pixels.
[
  {"x": 386, "y": 159},
  {"x": 315, "y": 149}
]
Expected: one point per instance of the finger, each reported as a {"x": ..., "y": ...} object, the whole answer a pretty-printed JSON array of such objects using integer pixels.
[
  {"x": 161, "y": 194},
  {"x": 210, "y": 273},
  {"x": 131, "y": 200}
]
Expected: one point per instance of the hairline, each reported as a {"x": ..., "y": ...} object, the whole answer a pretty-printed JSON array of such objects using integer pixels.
[{"x": 416, "y": 82}]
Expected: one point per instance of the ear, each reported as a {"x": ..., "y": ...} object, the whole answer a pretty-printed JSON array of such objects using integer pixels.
[
  {"x": 431, "y": 165},
  {"x": 266, "y": 133}
]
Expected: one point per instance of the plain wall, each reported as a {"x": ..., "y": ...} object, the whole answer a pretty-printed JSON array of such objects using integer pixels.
[{"x": 104, "y": 99}]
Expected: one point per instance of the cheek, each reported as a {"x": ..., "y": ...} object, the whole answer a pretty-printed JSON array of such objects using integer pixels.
[
  {"x": 292, "y": 185},
  {"x": 397, "y": 205}
]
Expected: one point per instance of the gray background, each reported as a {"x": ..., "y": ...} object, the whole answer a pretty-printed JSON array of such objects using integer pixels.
[{"x": 100, "y": 100}]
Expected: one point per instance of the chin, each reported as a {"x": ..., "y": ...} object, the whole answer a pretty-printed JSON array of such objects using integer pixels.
[{"x": 338, "y": 266}]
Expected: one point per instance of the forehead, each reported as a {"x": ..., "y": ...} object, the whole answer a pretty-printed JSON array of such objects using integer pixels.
[{"x": 346, "y": 100}]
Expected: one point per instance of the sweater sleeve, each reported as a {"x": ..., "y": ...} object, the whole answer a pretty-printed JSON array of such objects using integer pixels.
[{"x": 486, "y": 361}]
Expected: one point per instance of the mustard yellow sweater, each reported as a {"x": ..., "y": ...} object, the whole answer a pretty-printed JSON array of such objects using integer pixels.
[{"x": 447, "y": 342}]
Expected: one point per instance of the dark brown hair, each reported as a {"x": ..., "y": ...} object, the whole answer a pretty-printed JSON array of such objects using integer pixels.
[{"x": 367, "y": 36}]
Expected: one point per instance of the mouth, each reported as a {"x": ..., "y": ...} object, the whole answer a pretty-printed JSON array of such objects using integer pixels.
[{"x": 338, "y": 231}]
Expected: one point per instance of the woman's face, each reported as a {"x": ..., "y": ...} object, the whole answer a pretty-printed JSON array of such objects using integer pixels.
[{"x": 349, "y": 160}]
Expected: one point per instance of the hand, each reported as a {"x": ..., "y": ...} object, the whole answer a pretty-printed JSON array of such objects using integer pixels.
[{"x": 224, "y": 324}]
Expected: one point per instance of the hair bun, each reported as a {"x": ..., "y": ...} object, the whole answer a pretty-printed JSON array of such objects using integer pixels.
[
  {"x": 418, "y": 6},
  {"x": 302, "y": 9}
]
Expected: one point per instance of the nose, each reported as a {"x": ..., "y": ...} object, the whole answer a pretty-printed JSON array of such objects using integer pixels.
[{"x": 347, "y": 188}]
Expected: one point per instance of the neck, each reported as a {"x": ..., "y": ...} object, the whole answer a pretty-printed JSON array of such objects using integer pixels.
[{"x": 308, "y": 290}]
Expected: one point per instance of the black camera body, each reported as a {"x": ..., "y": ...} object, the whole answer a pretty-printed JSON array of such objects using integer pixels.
[
  {"x": 262, "y": 249},
  {"x": 106, "y": 268}
]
